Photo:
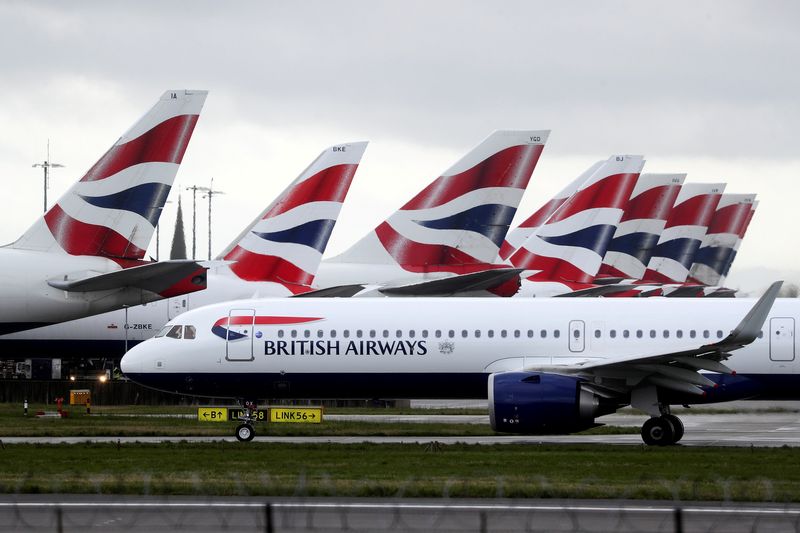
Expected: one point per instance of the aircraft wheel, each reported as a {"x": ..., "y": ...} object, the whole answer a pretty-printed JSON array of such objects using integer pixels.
[
  {"x": 658, "y": 431},
  {"x": 245, "y": 432},
  {"x": 677, "y": 424}
]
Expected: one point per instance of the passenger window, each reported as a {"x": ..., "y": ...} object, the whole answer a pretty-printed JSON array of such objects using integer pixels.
[
  {"x": 451, "y": 333},
  {"x": 626, "y": 333},
  {"x": 346, "y": 334},
  {"x": 398, "y": 333},
  {"x": 320, "y": 333},
  {"x": 503, "y": 333},
  {"x": 705, "y": 334},
  {"x": 386, "y": 334},
  {"x": 679, "y": 333},
  {"x": 372, "y": 334},
  {"x": 638, "y": 334},
  {"x": 543, "y": 334},
  {"x": 163, "y": 331},
  {"x": 411, "y": 333},
  {"x": 556, "y": 333},
  {"x": 490, "y": 333},
  {"x": 438, "y": 334},
  {"x": 333, "y": 334},
  {"x": 530, "y": 333},
  {"x": 692, "y": 333},
  {"x": 612, "y": 333},
  {"x": 424, "y": 333},
  {"x": 477, "y": 334},
  {"x": 175, "y": 332},
  {"x": 597, "y": 334},
  {"x": 652, "y": 334},
  {"x": 719, "y": 333},
  {"x": 576, "y": 333},
  {"x": 359, "y": 333},
  {"x": 189, "y": 332},
  {"x": 294, "y": 333},
  {"x": 516, "y": 333},
  {"x": 666, "y": 334},
  {"x": 307, "y": 333},
  {"x": 464, "y": 333}
]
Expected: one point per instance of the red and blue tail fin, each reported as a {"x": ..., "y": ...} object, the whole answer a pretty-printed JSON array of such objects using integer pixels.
[
  {"x": 570, "y": 246},
  {"x": 683, "y": 233},
  {"x": 718, "y": 246},
  {"x": 458, "y": 222},
  {"x": 286, "y": 241},
  {"x": 642, "y": 223},
  {"x": 113, "y": 210}
]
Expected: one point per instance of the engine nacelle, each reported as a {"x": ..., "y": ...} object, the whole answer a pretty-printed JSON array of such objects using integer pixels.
[{"x": 536, "y": 402}]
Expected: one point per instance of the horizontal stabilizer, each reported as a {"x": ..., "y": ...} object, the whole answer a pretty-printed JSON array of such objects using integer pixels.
[
  {"x": 167, "y": 278},
  {"x": 477, "y": 281},
  {"x": 340, "y": 291}
]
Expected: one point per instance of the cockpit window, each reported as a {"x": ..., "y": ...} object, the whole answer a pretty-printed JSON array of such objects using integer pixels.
[
  {"x": 175, "y": 332},
  {"x": 163, "y": 331},
  {"x": 189, "y": 332}
]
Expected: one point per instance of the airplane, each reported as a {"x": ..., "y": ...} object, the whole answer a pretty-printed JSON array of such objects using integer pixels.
[
  {"x": 86, "y": 254},
  {"x": 445, "y": 240},
  {"x": 276, "y": 255},
  {"x": 565, "y": 253},
  {"x": 743, "y": 230},
  {"x": 546, "y": 365}
]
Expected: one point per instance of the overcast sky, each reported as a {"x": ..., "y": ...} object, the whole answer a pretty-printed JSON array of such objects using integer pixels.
[{"x": 707, "y": 88}]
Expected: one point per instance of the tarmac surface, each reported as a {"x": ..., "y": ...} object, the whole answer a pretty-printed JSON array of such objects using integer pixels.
[{"x": 741, "y": 429}]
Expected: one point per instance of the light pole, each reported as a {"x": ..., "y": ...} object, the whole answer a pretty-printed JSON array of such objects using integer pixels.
[
  {"x": 47, "y": 165},
  {"x": 210, "y": 192},
  {"x": 194, "y": 189}
]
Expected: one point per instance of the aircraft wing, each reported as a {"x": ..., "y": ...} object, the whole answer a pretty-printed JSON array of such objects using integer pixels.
[
  {"x": 476, "y": 281},
  {"x": 166, "y": 278},
  {"x": 679, "y": 370}
]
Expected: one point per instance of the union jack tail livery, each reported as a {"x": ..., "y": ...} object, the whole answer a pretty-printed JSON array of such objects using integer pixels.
[
  {"x": 686, "y": 226},
  {"x": 570, "y": 246},
  {"x": 727, "y": 268},
  {"x": 458, "y": 222},
  {"x": 113, "y": 210},
  {"x": 518, "y": 235},
  {"x": 286, "y": 241},
  {"x": 718, "y": 247},
  {"x": 638, "y": 232}
]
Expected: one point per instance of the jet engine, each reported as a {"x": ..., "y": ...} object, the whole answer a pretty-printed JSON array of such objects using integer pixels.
[{"x": 539, "y": 403}]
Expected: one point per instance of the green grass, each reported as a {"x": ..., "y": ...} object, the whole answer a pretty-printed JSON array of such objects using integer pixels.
[{"x": 511, "y": 471}]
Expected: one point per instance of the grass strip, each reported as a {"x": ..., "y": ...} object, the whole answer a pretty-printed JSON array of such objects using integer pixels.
[{"x": 509, "y": 471}]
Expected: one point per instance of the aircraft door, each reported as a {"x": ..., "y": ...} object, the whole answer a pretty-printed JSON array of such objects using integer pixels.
[
  {"x": 781, "y": 339},
  {"x": 177, "y": 305},
  {"x": 239, "y": 337},
  {"x": 577, "y": 335}
]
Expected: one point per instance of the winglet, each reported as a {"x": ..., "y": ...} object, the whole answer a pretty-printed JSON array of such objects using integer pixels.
[{"x": 748, "y": 329}]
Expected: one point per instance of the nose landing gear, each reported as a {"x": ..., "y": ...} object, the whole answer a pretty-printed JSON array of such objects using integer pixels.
[{"x": 245, "y": 431}]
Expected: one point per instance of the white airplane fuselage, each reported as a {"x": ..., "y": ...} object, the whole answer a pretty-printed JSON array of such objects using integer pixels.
[
  {"x": 447, "y": 348},
  {"x": 106, "y": 335}
]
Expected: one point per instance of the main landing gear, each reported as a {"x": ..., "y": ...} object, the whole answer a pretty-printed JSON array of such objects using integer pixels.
[
  {"x": 662, "y": 430},
  {"x": 245, "y": 431}
]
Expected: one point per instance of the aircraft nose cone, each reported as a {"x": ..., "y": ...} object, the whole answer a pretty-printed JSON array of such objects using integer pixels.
[{"x": 131, "y": 362}]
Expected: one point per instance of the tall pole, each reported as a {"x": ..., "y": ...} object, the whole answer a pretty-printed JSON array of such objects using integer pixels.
[
  {"x": 194, "y": 189},
  {"x": 210, "y": 192},
  {"x": 46, "y": 166}
]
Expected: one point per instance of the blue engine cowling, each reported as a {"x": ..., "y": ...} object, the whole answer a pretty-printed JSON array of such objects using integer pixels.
[{"x": 538, "y": 403}]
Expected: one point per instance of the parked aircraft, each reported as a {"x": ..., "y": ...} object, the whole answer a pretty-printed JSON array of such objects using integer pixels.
[
  {"x": 451, "y": 229},
  {"x": 85, "y": 255},
  {"x": 276, "y": 255},
  {"x": 546, "y": 365}
]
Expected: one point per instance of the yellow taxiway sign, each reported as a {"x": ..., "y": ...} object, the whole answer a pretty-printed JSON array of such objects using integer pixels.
[
  {"x": 212, "y": 414},
  {"x": 296, "y": 415}
]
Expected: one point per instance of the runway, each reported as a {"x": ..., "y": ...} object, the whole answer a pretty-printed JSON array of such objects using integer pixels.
[
  {"x": 718, "y": 429},
  {"x": 132, "y": 513}
]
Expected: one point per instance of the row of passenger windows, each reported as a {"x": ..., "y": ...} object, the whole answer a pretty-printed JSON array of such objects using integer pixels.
[{"x": 412, "y": 333}]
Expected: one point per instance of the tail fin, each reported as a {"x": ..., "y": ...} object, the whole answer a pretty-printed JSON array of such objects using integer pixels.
[
  {"x": 570, "y": 246},
  {"x": 518, "y": 235},
  {"x": 644, "y": 219},
  {"x": 458, "y": 222},
  {"x": 683, "y": 233},
  {"x": 285, "y": 243},
  {"x": 113, "y": 210},
  {"x": 727, "y": 268},
  {"x": 717, "y": 249}
]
